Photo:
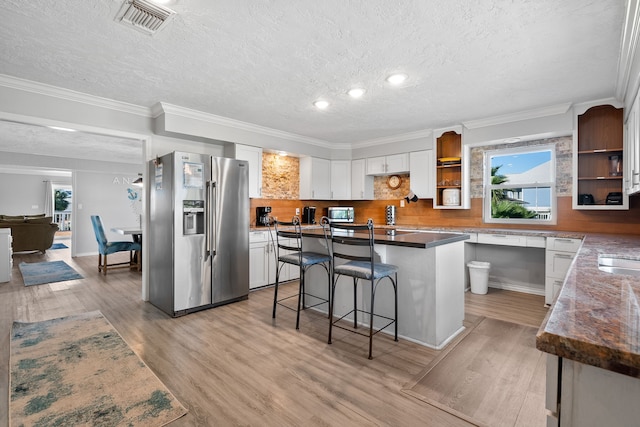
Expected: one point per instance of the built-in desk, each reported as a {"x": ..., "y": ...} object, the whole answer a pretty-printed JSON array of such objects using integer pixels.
[{"x": 430, "y": 283}]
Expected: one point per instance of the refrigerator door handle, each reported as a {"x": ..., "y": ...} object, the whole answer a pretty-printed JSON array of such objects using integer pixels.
[{"x": 212, "y": 233}]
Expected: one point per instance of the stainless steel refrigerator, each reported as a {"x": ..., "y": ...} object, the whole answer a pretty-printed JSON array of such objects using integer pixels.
[{"x": 198, "y": 232}]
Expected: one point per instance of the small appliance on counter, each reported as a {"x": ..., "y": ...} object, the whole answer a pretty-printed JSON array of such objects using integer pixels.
[
  {"x": 391, "y": 215},
  {"x": 614, "y": 198},
  {"x": 262, "y": 215},
  {"x": 340, "y": 214},
  {"x": 451, "y": 197},
  {"x": 309, "y": 215},
  {"x": 586, "y": 199}
]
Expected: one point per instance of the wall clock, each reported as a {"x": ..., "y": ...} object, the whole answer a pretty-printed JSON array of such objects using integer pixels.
[{"x": 394, "y": 181}]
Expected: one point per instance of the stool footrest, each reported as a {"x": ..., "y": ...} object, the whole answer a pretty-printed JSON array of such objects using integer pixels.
[{"x": 352, "y": 329}]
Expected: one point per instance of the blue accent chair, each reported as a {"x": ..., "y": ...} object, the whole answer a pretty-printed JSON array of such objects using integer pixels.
[{"x": 105, "y": 248}]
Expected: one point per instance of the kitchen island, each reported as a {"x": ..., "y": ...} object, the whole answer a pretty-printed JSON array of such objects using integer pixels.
[
  {"x": 430, "y": 283},
  {"x": 592, "y": 337}
]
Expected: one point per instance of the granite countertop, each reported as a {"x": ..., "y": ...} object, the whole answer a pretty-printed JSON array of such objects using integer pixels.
[{"x": 595, "y": 319}]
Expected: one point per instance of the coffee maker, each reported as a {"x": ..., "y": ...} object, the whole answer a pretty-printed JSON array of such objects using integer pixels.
[
  {"x": 309, "y": 215},
  {"x": 262, "y": 215}
]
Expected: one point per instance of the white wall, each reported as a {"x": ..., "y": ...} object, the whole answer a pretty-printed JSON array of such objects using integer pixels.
[
  {"x": 23, "y": 194},
  {"x": 104, "y": 194}
]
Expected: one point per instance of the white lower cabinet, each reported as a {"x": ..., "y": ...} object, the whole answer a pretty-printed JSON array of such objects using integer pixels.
[
  {"x": 584, "y": 396},
  {"x": 559, "y": 255},
  {"x": 262, "y": 262}
]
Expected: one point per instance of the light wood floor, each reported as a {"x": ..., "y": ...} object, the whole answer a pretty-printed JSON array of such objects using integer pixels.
[{"x": 233, "y": 366}]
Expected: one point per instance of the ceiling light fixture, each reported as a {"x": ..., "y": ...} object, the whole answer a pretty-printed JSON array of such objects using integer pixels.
[
  {"x": 356, "y": 92},
  {"x": 396, "y": 79},
  {"x": 61, "y": 128},
  {"x": 282, "y": 153},
  {"x": 321, "y": 104}
]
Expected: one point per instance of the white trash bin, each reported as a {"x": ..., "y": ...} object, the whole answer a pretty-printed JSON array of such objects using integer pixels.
[{"x": 479, "y": 276}]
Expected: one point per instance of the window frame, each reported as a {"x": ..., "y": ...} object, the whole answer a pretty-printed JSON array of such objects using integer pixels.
[{"x": 488, "y": 187}]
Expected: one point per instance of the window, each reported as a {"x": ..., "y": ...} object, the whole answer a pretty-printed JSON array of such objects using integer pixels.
[{"x": 520, "y": 185}]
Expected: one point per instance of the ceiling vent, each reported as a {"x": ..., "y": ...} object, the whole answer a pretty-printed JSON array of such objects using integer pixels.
[{"x": 144, "y": 15}]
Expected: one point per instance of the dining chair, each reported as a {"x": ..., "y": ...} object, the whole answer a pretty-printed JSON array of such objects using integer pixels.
[
  {"x": 105, "y": 248},
  {"x": 355, "y": 244},
  {"x": 288, "y": 250}
]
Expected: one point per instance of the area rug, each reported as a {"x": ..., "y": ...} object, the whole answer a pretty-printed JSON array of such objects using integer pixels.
[
  {"x": 38, "y": 273},
  {"x": 58, "y": 246},
  {"x": 493, "y": 376},
  {"x": 77, "y": 370}
]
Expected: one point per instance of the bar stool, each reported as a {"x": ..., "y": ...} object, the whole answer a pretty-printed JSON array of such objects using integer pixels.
[
  {"x": 288, "y": 244},
  {"x": 360, "y": 267}
]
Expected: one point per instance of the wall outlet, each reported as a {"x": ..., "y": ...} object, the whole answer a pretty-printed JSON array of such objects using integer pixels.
[
  {"x": 34, "y": 206},
  {"x": 402, "y": 203},
  {"x": 297, "y": 211}
]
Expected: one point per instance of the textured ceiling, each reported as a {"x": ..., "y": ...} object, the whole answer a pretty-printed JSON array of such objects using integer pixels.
[{"x": 265, "y": 62}]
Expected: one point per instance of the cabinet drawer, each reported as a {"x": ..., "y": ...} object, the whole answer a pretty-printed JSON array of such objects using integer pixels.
[
  {"x": 563, "y": 244},
  {"x": 536, "y": 241},
  {"x": 557, "y": 263},
  {"x": 258, "y": 236},
  {"x": 502, "y": 239}
]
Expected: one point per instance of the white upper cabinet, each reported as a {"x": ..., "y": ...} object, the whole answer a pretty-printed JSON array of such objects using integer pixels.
[
  {"x": 254, "y": 156},
  {"x": 632, "y": 149},
  {"x": 386, "y": 165},
  {"x": 315, "y": 178},
  {"x": 341, "y": 179},
  {"x": 421, "y": 173},
  {"x": 361, "y": 183}
]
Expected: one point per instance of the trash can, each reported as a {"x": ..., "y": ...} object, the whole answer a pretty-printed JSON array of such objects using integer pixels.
[{"x": 479, "y": 276}]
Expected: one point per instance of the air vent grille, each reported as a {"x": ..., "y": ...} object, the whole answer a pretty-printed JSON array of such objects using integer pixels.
[{"x": 144, "y": 15}]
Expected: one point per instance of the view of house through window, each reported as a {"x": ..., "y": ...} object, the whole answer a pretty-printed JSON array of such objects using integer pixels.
[{"x": 520, "y": 185}]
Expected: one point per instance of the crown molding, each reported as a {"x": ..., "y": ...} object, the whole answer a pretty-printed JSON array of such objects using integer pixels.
[
  {"x": 165, "y": 108},
  {"x": 628, "y": 46},
  {"x": 72, "y": 95},
  {"x": 516, "y": 117},
  {"x": 425, "y": 133}
]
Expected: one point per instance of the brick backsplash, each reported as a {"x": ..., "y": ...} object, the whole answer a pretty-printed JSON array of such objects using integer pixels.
[
  {"x": 381, "y": 190},
  {"x": 280, "y": 177}
]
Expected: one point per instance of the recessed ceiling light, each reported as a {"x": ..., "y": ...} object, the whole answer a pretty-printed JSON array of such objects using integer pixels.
[
  {"x": 321, "y": 104},
  {"x": 356, "y": 92},
  {"x": 61, "y": 128},
  {"x": 396, "y": 79}
]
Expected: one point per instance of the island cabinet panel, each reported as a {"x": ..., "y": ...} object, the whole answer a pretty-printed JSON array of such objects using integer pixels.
[
  {"x": 579, "y": 395},
  {"x": 431, "y": 286}
]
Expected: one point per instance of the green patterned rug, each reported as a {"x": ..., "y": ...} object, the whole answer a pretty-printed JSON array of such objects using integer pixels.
[{"x": 77, "y": 370}]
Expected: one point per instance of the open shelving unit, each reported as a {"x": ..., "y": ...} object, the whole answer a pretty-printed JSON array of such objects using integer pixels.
[
  {"x": 599, "y": 159},
  {"x": 450, "y": 173}
]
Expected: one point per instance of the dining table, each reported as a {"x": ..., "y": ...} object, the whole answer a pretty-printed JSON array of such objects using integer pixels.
[{"x": 136, "y": 235}]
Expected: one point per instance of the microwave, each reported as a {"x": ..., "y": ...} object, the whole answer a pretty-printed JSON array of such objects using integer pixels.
[{"x": 340, "y": 214}]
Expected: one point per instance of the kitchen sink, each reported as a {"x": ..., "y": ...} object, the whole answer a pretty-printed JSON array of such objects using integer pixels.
[{"x": 619, "y": 264}]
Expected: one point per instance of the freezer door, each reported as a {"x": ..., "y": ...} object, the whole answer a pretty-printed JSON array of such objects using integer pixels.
[{"x": 229, "y": 229}]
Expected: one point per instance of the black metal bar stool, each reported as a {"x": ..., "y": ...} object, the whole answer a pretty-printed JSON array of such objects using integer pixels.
[
  {"x": 360, "y": 267},
  {"x": 288, "y": 244}
]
